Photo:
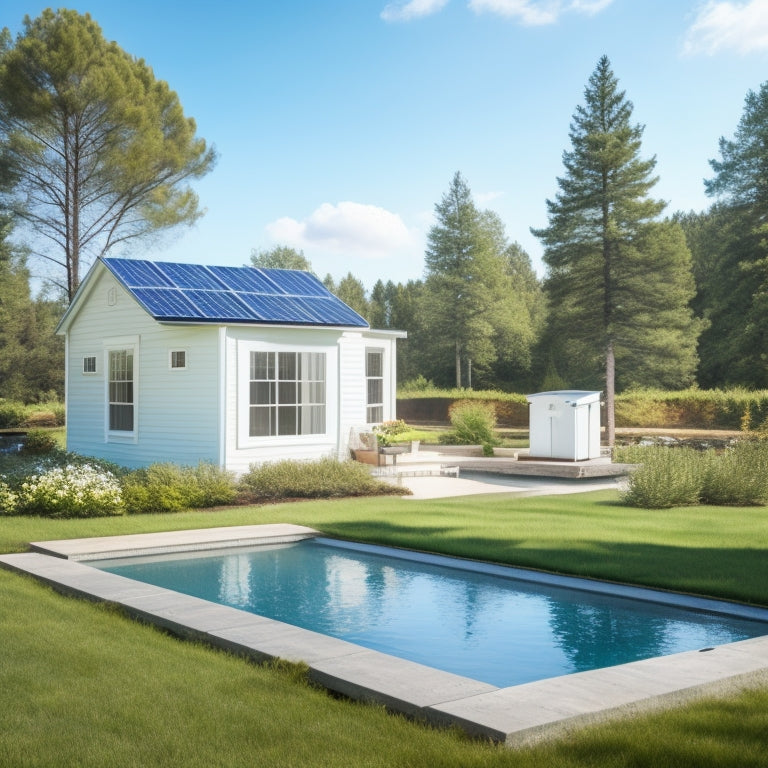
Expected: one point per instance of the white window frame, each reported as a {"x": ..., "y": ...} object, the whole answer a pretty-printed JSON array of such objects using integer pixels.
[
  {"x": 370, "y": 405},
  {"x": 95, "y": 370},
  {"x": 244, "y": 438},
  {"x": 171, "y": 353},
  {"x": 124, "y": 344}
]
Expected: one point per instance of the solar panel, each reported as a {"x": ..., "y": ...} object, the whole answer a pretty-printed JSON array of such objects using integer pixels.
[
  {"x": 177, "y": 292},
  {"x": 279, "y": 309},
  {"x": 297, "y": 283},
  {"x": 246, "y": 279},
  {"x": 135, "y": 273},
  {"x": 167, "y": 304},
  {"x": 332, "y": 311},
  {"x": 220, "y": 305},
  {"x": 194, "y": 276}
]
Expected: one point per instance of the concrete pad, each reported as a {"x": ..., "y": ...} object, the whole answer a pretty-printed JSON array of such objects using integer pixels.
[
  {"x": 133, "y": 545},
  {"x": 401, "y": 685},
  {"x": 476, "y": 483}
]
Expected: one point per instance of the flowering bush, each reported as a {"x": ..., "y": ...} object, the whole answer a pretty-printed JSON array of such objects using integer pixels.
[
  {"x": 74, "y": 490},
  {"x": 8, "y": 499}
]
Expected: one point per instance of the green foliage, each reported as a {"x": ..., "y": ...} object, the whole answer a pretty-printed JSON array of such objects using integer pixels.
[
  {"x": 74, "y": 490},
  {"x": 667, "y": 477},
  {"x": 280, "y": 257},
  {"x": 99, "y": 150},
  {"x": 475, "y": 300},
  {"x": 673, "y": 476},
  {"x": 731, "y": 254},
  {"x": 390, "y": 431},
  {"x": 739, "y": 476},
  {"x": 12, "y": 413},
  {"x": 39, "y": 442},
  {"x": 167, "y": 487},
  {"x": 8, "y": 498},
  {"x": 474, "y": 422},
  {"x": 619, "y": 283},
  {"x": 323, "y": 478}
]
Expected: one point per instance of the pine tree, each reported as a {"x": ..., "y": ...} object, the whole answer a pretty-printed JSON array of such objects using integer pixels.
[
  {"x": 100, "y": 152},
  {"x": 738, "y": 339},
  {"x": 604, "y": 255},
  {"x": 472, "y": 309}
]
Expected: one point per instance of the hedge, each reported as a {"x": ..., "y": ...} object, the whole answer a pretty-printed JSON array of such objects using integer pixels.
[{"x": 736, "y": 409}]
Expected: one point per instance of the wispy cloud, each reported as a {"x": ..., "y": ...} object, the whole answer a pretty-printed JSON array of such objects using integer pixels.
[
  {"x": 405, "y": 10},
  {"x": 538, "y": 12},
  {"x": 718, "y": 26},
  {"x": 367, "y": 231}
]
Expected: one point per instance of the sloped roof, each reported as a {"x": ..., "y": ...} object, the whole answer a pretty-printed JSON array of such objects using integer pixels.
[{"x": 172, "y": 292}]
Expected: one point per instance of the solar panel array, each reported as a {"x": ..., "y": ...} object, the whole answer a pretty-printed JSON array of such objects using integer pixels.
[{"x": 196, "y": 293}]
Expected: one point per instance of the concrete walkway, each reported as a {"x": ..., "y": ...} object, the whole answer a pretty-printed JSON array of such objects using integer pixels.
[{"x": 516, "y": 715}]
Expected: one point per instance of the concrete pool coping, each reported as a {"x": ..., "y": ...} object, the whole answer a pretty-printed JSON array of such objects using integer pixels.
[{"x": 516, "y": 715}]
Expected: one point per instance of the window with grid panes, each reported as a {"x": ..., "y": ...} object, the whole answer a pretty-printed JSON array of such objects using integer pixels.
[
  {"x": 374, "y": 384},
  {"x": 287, "y": 394},
  {"x": 121, "y": 390}
]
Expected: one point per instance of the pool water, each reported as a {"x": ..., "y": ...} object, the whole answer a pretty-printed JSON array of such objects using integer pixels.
[{"x": 492, "y": 628}]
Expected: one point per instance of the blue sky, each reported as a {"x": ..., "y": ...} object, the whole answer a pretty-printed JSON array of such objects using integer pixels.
[{"x": 340, "y": 123}]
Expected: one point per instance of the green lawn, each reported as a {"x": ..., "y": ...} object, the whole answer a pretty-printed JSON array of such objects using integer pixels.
[{"x": 80, "y": 684}]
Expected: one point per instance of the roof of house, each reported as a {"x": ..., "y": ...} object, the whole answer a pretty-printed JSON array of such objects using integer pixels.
[{"x": 172, "y": 292}]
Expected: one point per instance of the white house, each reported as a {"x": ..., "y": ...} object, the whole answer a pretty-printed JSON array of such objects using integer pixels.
[{"x": 230, "y": 365}]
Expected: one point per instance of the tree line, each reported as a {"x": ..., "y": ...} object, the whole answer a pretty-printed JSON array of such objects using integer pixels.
[{"x": 95, "y": 153}]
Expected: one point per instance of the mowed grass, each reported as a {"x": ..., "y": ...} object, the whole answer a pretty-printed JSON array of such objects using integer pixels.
[{"x": 80, "y": 684}]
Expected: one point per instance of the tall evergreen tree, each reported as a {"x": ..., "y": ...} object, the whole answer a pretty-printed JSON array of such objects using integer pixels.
[
  {"x": 738, "y": 308},
  {"x": 100, "y": 151},
  {"x": 603, "y": 253},
  {"x": 472, "y": 310}
]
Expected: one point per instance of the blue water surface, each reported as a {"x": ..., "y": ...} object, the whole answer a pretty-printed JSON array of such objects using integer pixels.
[{"x": 496, "y": 629}]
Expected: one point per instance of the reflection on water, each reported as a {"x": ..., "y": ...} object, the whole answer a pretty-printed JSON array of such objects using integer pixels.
[{"x": 490, "y": 628}]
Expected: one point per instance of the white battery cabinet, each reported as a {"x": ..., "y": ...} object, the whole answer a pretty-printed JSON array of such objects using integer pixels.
[{"x": 565, "y": 425}]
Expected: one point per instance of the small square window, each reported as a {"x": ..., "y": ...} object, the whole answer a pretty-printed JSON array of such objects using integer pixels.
[
  {"x": 89, "y": 364},
  {"x": 178, "y": 359}
]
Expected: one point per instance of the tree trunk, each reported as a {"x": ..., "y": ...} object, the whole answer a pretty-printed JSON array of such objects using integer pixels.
[
  {"x": 458, "y": 365},
  {"x": 610, "y": 378}
]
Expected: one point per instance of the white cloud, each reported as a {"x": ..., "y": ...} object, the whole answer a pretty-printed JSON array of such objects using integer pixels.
[
  {"x": 486, "y": 197},
  {"x": 742, "y": 27},
  {"x": 411, "y": 9},
  {"x": 538, "y": 12},
  {"x": 361, "y": 230}
]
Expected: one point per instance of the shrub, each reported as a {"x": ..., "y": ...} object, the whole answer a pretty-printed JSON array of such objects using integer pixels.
[
  {"x": 12, "y": 414},
  {"x": 166, "y": 487},
  {"x": 739, "y": 476},
  {"x": 474, "y": 422},
  {"x": 74, "y": 490},
  {"x": 8, "y": 499},
  {"x": 39, "y": 442},
  {"x": 390, "y": 431},
  {"x": 667, "y": 477},
  {"x": 323, "y": 478}
]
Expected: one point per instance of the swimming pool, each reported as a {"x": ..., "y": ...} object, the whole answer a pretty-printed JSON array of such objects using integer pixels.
[{"x": 489, "y": 623}]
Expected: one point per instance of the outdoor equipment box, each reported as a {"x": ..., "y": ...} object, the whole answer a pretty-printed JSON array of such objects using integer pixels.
[{"x": 565, "y": 425}]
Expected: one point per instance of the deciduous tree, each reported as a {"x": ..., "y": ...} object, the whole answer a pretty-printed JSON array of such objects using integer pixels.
[
  {"x": 280, "y": 257},
  {"x": 99, "y": 151}
]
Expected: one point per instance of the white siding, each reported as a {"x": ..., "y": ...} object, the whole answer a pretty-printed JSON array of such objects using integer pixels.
[
  {"x": 242, "y": 450},
  {"x": 176, "y": 410},
  {"x": 352, "y": 389}
]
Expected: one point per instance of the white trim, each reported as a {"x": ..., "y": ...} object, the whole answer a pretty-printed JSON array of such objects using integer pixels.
[
  {"x": 244, "y": 439},
  {"x": 117, "y": 344},
  {"x": 95, "y": 358},
  {"x": 175, "y": 351}
]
